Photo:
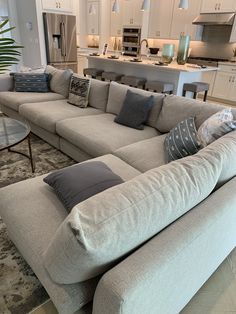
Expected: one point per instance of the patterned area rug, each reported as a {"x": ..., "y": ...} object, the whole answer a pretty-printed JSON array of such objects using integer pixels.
[{"x": 20, "y": 290}]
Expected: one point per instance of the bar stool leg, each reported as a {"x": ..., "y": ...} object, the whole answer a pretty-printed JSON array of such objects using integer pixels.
[
  {"x": 205, "y": 96},
  {"x": 194, "y": 95}
]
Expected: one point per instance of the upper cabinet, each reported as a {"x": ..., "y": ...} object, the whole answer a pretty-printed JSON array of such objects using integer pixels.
[
  {"x": 62, "y": 6},
  {"x": 218, "y": 6},
  {"x": 93, "y": 17},
  {"x": 182, "y": 20},
  {"x": 116, "y": 20},
  {"x": 160, "y": 18},
  {"x": 132, "y": 14}
]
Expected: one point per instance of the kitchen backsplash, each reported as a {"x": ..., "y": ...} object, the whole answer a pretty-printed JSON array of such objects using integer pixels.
[{"x": 199, "y": 48}]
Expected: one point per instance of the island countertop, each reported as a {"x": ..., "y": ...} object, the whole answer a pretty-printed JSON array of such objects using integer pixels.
[
  {"x": 173, "y": 73},
  {"x": 150, "y": 62}
]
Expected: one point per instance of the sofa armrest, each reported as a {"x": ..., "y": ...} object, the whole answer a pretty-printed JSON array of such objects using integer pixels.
[
  {"x": 164, "y": 274},
  {"x": 6, "y": 82}
]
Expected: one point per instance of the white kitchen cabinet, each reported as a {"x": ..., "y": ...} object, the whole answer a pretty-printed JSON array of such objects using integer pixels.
[
  {"x": 225, "y": 83},
  {"x": 220, "y": 6},
  {"x": 116, "y": 25},
  {"x": 182, "y": 20},
  {"x": 62, "y": 6},
  {"x": 232, "y": 92},
  {"x": 132, "y": 14},
  {"x": 160, "y": 18},
  {"x": 93, "y": 18},
  {"x": 209, "y": 77}
]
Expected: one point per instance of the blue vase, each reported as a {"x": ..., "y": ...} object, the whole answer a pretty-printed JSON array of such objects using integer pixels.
[{"x": 182, "y": 55}]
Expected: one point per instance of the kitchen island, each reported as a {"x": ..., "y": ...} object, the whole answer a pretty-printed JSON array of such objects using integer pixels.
[{"x": 172, "y": 73}]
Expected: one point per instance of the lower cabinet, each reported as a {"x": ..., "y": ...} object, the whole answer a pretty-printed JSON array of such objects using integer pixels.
[
  {"x": 209, "y": 77},
  {"x": 225, "y": 83},
  {"x": 82, "y": 64}
]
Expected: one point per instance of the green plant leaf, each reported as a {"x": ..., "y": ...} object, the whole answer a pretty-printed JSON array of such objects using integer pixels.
[
  {"x": 7, "y": 30},
  {"x": 2, "y": 24},
  {"x": 8, "y": 49}
]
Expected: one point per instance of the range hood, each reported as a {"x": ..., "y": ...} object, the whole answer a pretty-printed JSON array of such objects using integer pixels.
[{"x": 215, "y": 19}]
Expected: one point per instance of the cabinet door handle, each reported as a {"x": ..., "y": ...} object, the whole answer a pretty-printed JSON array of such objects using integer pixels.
[
  {"x": 56, "y": 5},
  {"x": 233, "y": 79},
  {"x": 216, "y": 6},
  {"x": 230, "y": 79},
  {"x": 219, "y": 6}
]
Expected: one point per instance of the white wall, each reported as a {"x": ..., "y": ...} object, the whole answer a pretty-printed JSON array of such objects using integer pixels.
[{"x": 26, "y": 13}]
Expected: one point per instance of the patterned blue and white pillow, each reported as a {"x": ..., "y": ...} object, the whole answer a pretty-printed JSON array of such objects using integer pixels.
[
  {"x": 31, "y": 82},
  {"x": 182, "y": 140}
]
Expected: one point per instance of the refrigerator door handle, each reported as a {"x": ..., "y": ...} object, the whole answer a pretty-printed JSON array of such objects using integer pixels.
[{"x": 63, "y": 39}]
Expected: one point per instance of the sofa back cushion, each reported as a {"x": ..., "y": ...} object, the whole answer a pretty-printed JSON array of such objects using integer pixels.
[
  {"x": 176, "y": 109},
  {"x": 117, "y": 94},
  {"x": 60, "y": 80},
  {"x": 105, "y": 228},
  {"x": 98, "y": 94}
]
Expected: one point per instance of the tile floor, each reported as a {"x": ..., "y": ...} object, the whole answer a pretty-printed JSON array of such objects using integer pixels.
[{"x": 217, "y": 295}]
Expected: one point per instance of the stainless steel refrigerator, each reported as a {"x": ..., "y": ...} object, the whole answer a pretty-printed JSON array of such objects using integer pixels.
[{"x": 60, "y": 37}]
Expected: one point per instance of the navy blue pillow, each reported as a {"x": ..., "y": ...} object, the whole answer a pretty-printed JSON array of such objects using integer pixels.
[
  {"x": 77, "y": 183},
  {"x": 31, "y": 82},
  {"x": 135, "y": 110}
]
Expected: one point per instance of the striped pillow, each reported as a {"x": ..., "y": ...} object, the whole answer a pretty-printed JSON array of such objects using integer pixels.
[
  {"x": 182, "y": 140},
  {"x": 31, "y": 82}
]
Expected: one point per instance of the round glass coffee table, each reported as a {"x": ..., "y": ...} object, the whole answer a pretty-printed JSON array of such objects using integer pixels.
[{"x": 13, "y": 132}]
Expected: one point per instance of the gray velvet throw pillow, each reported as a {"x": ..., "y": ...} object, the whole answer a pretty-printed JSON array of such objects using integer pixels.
[
  {"x": 182, "y": 140},
  {"x": 135, "y": 110},
  {"x": 77, "y": 183}
]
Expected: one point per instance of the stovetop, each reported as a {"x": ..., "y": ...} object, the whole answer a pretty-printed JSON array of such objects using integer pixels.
[{"x": 205, "y": 61}]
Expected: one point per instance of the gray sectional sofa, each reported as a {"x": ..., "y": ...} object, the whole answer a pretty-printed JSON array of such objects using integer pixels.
[{"x": 158, "y": 236}]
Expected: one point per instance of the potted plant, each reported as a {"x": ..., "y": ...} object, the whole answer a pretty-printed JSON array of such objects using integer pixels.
[{"x": 9, "y": 53}]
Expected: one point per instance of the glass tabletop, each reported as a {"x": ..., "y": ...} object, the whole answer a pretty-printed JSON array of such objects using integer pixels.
[{"x": 12, "y": 132}]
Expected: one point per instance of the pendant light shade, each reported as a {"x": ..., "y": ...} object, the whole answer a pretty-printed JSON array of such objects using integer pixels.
[
  {"x": 116, "y": 7},
  {"x": 145, "y": 5},
  {"x": 92, "y": 9},
  {"x": 183, "y": 4}
]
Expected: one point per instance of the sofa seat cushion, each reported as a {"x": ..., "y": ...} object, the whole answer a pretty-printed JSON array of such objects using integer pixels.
[
  {"x": 14, "y": 99},
  {"x": 47, "y": 114},
  {"x": 144, "y": 155},
  {"x": 33, "y": 213},
  {"x": 100, "y": 135}
]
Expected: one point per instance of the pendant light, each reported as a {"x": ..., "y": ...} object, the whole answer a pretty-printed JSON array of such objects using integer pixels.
[
  {"x": 183, "y": 4},
  {"x": 116, "y": 7},
  {"x": 145, "y": 5},
  {"x": 92, "y": 9}
]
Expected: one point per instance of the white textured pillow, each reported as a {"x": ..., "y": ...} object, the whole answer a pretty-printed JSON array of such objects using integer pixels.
[{"x": 214, "y": 125}]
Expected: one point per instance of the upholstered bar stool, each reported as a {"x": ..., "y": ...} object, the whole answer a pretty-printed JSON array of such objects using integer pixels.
[
  {"x": 93, "y": 72},
  {"x": 195, "y": 88},
  {"x": 133, "y": 81},
  {"x": 159, "y": 87},
  {"x": 111, "y": 76}
]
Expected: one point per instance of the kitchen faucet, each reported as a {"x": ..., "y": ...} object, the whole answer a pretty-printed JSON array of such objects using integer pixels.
[{"x": 140, "y": 48}]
